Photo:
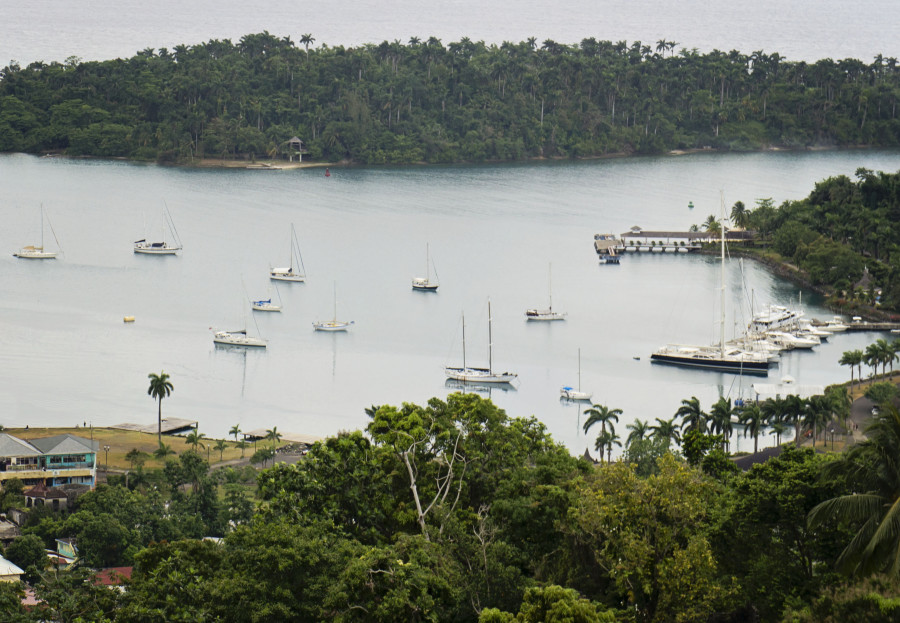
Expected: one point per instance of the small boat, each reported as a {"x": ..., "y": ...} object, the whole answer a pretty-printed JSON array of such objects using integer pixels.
[
  {"x": 33, "y": 252},
  {"x": 425, "y": 284},
  {"x": 609, "y": 257},
  {"x": 265, "y": 305},
  {"x": 296, "y": 271},
  {"x": 479, "y": 375},
  {"x": 835, "y": 325},
  {"x": 128, "y": 319},
  {"x": 238, "y": 338},
  {"x": 165, "y": 247},
  {"x": 691, "y": 205},
  {"x": 569, "y": 393},
  {"x": 545, "y": 314},
  {"x": 334, "y": 324}
]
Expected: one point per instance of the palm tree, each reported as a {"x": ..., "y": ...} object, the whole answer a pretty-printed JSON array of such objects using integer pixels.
[
  {"x": 778, "y": 429},
  {"x": 638, "y": 430},
  {"x": 306, "y": 41},
  {"x": 720, "y": 419},
  {"x": 243, "y": 445},
  {"x": 603, "y": 415},
  {"x": 793, "y": 414},
  {"x": 752, "y": 418},
  {"x": 692, "y": 416},
  {"x": 740, "y": 215},
  {"x": 235, "y": 431},
  {"x": 163, "y": 451},
  {"x": 160, "y": 387},
  {"x": 666, "y": 429},
  {"x": 872, "y": 357},
  {"x": 221, "y": 446},
  {"x": 851, "y": 358},
  {"x": 273, "y": 435},
  {"x": 610, "y": 439},
  {"x": 872, "y": 471},
  {"x": 816, "y": 411},
  {"x": 194, "y": 439}
]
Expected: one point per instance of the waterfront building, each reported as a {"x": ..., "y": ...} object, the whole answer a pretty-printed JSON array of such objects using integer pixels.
[{"x": 49, "y": 461}]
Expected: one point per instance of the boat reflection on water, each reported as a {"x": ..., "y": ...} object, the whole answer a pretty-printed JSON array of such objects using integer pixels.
[{"x": 468, "y": 387}]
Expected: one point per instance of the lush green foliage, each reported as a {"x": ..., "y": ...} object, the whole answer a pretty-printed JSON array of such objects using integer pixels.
[{"x": 466, "y": 101}]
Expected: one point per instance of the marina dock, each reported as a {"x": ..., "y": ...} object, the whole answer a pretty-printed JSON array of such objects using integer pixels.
[{"x": 170, "y": 426}]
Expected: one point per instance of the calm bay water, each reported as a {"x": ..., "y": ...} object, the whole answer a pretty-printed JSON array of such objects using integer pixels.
[
  {"x": 494, "y": 232},
  {"x": 800, "y": 30}
]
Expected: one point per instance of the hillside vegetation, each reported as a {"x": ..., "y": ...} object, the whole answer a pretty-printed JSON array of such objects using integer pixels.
[{"x": 429, "y": 102}]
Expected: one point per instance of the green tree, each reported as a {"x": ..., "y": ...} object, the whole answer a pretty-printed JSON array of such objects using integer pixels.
[
  {"x": 872, "y": 503},
  {"x": 195, "y": 439},
  {"x": 639, "y": 430},
  {"x": 752, "y": 418},
  {"x": 235, "y": 431},
  {"x": 163, "y": 451},
  {"x": 603, "y": 415},
  {"x": 221, "y": 446},
  {"x": 647, "y": 533},
  {"x": 160, "y": 387},
  {"x": 27, "y": 552},
  {"x": 273, "y": 435},
  {"x": 666, "y": 429},
  {"x": 851, "y": 358},
  {"x": 551, "y": 604},
  {"x": 692, "y": 416}
]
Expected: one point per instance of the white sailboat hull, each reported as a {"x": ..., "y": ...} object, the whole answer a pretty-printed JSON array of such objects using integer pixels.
[
  {"x": 544, "y": 314},
  {"x": 332, "y": 325},
  {"x": 572, "y": 394},
  {"x": 424, "y": 285},
  {"x": 35, "y": 253},
  {"x": 479, "y": 375},
  {"x": 265, "y": 306},
  {"x": 238, "y": 338},
  {"x": 286, "y": 274},
  {"x": 155, "y": 248}
]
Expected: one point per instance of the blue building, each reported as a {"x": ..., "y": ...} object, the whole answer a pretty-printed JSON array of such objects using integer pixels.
[{"x": 51, "y": 461}]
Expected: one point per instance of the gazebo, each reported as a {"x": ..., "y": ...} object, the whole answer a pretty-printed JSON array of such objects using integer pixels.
[
  {"x": 295, "y": 146},
  {"x": 42, "y": 495}
]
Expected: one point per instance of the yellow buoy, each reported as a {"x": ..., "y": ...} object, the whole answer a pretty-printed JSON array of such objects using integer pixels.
[{"x": 128, "y": 319}]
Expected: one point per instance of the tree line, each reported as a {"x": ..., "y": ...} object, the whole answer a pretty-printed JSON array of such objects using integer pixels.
[
  {"x": 453, "y": 511},
  {"x": 425, "y": 101}
]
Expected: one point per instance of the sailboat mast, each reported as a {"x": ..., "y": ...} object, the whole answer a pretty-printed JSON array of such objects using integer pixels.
[
  {"x": 427, "y": 274},
  {"x": 42, "y": 227},
  {"x": 464, "y": 342},
  {"x": 550, "y": 286},
  {"x": 490, "y": 340},
  {"x": 579, "y": 369},
  {"x": 722, "y": 263}
]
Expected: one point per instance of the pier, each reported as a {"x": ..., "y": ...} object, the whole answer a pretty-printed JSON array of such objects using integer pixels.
[
  {"x": 170, "y": 426},
  {"x": 638, "y": 240}
]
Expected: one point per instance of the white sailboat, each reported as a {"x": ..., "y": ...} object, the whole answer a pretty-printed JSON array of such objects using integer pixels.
[
  {"x": 266, "y": 305},
  {"x": 240, "y": 337},
  {"x": 165, "y": 247},
  {"x": 334, "y": 324},
  {"x": 479, "y": 375},
  {"x": 296, "y": 271},
  {"x": 570, "y": 393},
  {"x": 33, "y": 252},
  {"x": 545, "y": 314},
  {"x": 425, "y": 284}
]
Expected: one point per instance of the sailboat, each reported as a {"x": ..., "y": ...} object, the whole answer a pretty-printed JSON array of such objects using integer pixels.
[
  {"x": 569, "y": 393},
  {"x": 266, "y": 305},
  {"x": 161, "y": 248},
  {"x": 334, "y": 324},
  {"x": 722, "y": 357},
  {"x": 479, "y": 375},
  {"x": 545, "y": 314},
  {"x": 32, "y": 252},
  {"x": 239, "y": 337},
  {"x": 425, "y": 284},
  {"x": 296, "y": 271}
]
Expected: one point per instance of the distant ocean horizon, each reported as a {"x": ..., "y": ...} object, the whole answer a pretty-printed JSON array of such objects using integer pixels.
[{"x": 48, "y": 31}]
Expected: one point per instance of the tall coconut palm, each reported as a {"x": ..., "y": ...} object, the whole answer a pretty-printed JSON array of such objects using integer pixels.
[
  {"x": 872, "y": 470},
  {"x": 602, "y": 414},
  {"x": 160, "y": 387},
  {"x": 306, "y": 41},
  {"x": 720, "y": 419},
  {"x": 816, "y": 412},
  {"x": 793, "y": 414},
  {"x": 235, "y": 431},
  {"x": 751, "y": 416},
  {"x": 872, "y": 358},
  {"x": 778, "y": 429},
  {"x": 221, "y": 446},
  {"x": 163, "y": 451},
  {"x": 740, "y": 215},
  {"x": 692, "y": 416},
  {"x": 851, "y": 358},
  {"x": 666, "y": 429},
  {"x": 639, "y": 430}
]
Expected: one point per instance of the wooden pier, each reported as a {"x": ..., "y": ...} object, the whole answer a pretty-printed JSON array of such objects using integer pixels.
[{"x": 170, "y": 426}]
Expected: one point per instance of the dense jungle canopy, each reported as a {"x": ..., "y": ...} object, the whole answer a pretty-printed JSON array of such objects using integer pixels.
[{"x": 429, "y": 102}]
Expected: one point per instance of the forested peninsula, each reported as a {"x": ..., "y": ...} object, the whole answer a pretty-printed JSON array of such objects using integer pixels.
[{"x": 429, "y": 102}]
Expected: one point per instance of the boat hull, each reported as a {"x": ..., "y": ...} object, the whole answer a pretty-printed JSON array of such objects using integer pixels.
[
  {"x": 150, "y": 249},
  {"x": 479, "y": 375},
  {"x": 543, "y": 315},
  {"x": 574, "y": 395},
  {"x": 332, "y": 326},
  {"x": 35, "y": 255},
  {"x": 238, "y": 339},
  {"x": 424, "y": 286},
  {"x": 265, "y": 307},
  {"x": 737, "y": 366},
  {"x": 286, "y": 276}
]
